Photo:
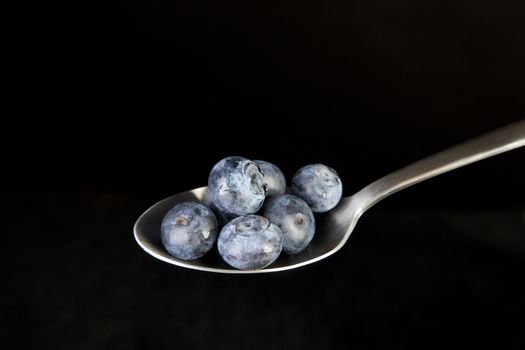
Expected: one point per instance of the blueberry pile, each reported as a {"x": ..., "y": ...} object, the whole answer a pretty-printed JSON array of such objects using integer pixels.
[{"x": 258, "y": 219}]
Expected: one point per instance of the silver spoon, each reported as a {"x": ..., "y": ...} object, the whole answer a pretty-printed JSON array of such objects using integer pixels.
[{"x": 335, "y": 227}]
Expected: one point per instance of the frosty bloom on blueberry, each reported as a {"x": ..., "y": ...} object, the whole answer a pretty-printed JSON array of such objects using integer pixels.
[
  {"x": 273, "y": 177},
  {"x": 295, "y": 219},
  {"x": 250, "y": 242},
  {"x": 189, "y": 230},
  {"x": 319, "y": 186},
  {"x": 236, "y": 186}
]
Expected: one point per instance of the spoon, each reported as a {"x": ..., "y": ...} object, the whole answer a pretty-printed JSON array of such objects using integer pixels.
[{"x": 333, "y": 228}]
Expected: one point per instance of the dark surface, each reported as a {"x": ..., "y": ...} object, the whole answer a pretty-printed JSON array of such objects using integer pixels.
[
  {"x": 112, "y": 95},
  {"x": 407, "y": 279},
  {"x": 109, "y": 98}
]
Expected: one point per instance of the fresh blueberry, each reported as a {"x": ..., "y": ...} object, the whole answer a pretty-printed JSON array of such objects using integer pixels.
[
  {"x": 273, "y": 177},
  {"x": 189, "y": 230},
  {"x": 250, "y": 242},
  {"x": 236, "y": 186},
  {"x": 295, "y": 219},
  {"x": 319, "y": 186}
]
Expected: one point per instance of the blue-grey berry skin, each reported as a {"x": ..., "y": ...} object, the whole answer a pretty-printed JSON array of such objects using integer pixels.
[
  {"x": 295, "y": 219},
  {"x": 236, "y": 186},
  {"x": 189, "y": 230},
  {"x": 250, "y": 242},
  {"x": 319, "y": 186},
  {"x": 273, "y": 178}
]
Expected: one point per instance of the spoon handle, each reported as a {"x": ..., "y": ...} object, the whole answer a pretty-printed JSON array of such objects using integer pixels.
[{"x": 490, "y": 144}]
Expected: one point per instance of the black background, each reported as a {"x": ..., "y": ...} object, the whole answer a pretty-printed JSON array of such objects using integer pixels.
[{"x": 116, "y": 105}]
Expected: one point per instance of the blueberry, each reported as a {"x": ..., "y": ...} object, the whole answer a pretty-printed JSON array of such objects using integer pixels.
[
  {"x": 295, "y": 219},
  {"x": 319, "y": 186},
  {"x": 189, "y": 230},
  {"x": 236, "y": 186},
  {"x": 273, "y": 177},
  {"x": 250, "y": 242}
]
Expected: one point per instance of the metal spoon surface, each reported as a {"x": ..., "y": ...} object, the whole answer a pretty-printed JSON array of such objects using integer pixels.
[{"x": 333, "y": 228}]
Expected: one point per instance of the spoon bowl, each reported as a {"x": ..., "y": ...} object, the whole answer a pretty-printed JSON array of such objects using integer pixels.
[
  {"x": 332, "y": 231},
  {"x": 334, "y": 227}
]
